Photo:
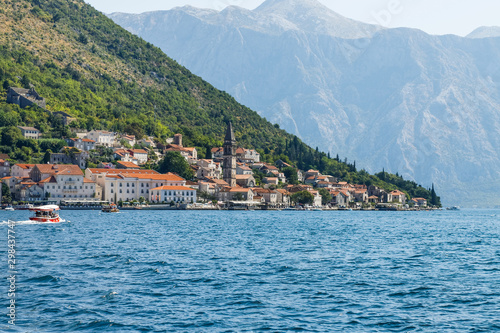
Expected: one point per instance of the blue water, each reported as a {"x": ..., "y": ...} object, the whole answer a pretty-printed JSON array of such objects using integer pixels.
[{"x": 181, "y": 271}]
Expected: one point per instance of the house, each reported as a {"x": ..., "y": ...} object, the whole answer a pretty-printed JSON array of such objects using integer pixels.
[
  {"x": 283, "y": 197},
  {"x": 147, "y": 142},
  {"x": 82, "y": 144},
  {"x": 270, "y": 170},
  {"x": 69, "y": 155},
  {"x": 4, "y": 168},
  {"x": 11, "y": 182},
  {"x": 245, "y": 180},
  {"x": 247, "y": 155},
  {"x": 208, "y": 169},
  {"x": 25, "y": 97},
  {"x": 102, "y": 138},
  {"x": 126, "y": 165},
  {"x": 217, "y": 153},
  {"x": 140, "y": 155},
  {"x": 61, "y": 182},
  {"x": 360, "y": 195},
  {"x": 270, "y": 196},
  {"x": 30, "y": 132},
  {"x": 281, "y": 164},
  {"x": 233, "y": 193},
  {"x": 189, "y": 153},
  {"x": 398, "y": 196},
  {"x": 137, "y": 156},
  {"x": 21, "y": 170},
  {"x": 340, "y": 198},
  {"x": 373, "y": 199},
  {"x": 317, "y": 202},
  {"x": 242, "y": 169},
  {"x": 128, "y": 139},
  {"x": 31, "y": 192},
  {"x": 419, "y": 202},
  {"x": 270, "y": 180},
  {"x": 312, "y": 173},
  {"x": 127, "y": 185},
  {"x": 176, "y": 194}
]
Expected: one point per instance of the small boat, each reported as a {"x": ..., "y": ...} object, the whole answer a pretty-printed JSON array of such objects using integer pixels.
[
  {"x": 111, "y": 208},
  {"x": 9, "y": 208},
  {"x": 47, "y": 213}
]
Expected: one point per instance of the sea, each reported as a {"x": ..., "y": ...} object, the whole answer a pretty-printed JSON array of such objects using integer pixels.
[{"x": 252, "y": 271}]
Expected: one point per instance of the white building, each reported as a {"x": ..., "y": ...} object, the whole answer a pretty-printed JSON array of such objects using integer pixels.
[
  {"x": 102, "y": 138},
  {"x": 61, "y": 182},
  {"x": 127, "y": 185},
  {"x": 30, "y": 132},
  {"x": 176, "y": 194},
  {"x": 82, "y": 144}
]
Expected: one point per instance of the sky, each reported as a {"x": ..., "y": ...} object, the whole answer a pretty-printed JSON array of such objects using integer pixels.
[{"x": 436, "y": 17}]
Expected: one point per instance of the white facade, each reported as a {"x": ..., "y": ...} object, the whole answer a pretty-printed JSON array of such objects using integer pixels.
[
  {"x": 76, "y": 187},
  {"x": 251, "y": 154},
  {"x": 127, "y": 185},
  {"x": 176, "y": 194},
  {"x": 102, "y": 138},
  {"x": 29, "y": 132}
]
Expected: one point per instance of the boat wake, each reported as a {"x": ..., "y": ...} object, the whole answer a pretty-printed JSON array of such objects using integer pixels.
[{"x": 31, "y": 222}]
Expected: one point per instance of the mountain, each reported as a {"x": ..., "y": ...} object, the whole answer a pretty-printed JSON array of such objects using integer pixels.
[
  {"x": 400, "y": 99},
  {"x": 104, "y": 77},
  {"x": 485, "y": 32}
]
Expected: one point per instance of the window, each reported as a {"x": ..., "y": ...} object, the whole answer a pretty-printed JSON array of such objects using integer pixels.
[
  {"x": 112, "y": 184},
  {"x": 132, "y": 191},
  {"x": 128, "y": 185},
  {"x": 120, "y": 184},
  {"x": 142, "y": 184},
  {"x": 81, "y": 187},
  {"x": 142, "y": 191},
  {"x": 120, "y": 190},
  {"x": 128, "y": 191},
  {"x": 111, "y": 190},
  {"x": 86, "y": 187},
  {"x": 133, "y": 185}
]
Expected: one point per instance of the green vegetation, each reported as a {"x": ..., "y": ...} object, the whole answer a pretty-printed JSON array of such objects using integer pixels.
[
  {"x": 302, "y": 197},
  {"x": 106, "y": 78},
  {"x": 174, "y": 162}
]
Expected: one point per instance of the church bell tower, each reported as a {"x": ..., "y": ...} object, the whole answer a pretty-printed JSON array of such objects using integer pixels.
[{"x": 229, "y": 164}]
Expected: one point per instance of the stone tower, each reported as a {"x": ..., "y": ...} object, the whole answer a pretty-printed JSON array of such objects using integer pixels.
[{"x": 229, "y": 165}]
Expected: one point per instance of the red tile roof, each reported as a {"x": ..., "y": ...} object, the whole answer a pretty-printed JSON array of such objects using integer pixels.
[
  {"x": 173, "y": 188},
  {"x": 121, "y": 171}
]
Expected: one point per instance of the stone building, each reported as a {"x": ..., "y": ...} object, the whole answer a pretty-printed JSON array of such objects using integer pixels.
[{"x": 25, "y": 97}]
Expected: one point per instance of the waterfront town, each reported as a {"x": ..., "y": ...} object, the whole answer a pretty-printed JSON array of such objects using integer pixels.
[{"x": 234, "y": 178}]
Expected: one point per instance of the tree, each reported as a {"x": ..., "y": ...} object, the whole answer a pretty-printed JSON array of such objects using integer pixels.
[
  {"x": 6, "y": 195},
  {"x": 46, "y": 156},
  {"x": 303, "y": 197},
  {"x": 175, "y": 162},
  {"x": 291, "y": 175},
  {"x": 238, "y": 197},
  {"x": 326, "y": 197}
]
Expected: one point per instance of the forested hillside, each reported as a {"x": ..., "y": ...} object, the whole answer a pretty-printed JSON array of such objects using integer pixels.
[{"x": 84, "y": 64}]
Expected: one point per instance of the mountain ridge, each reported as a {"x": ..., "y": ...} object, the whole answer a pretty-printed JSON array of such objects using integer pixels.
[
  {"x": 400, "y": 99},
  {"x": 106, "y": 78}
]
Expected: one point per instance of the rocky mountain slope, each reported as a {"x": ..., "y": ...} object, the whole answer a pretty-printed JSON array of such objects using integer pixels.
[{"x": 425, "y": 106}]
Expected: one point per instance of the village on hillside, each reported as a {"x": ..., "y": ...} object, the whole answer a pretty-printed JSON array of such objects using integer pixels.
[{"x": 234, "y": 177}]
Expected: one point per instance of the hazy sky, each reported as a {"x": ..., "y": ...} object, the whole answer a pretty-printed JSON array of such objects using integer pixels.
[{"x": 433, "y": 16}]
